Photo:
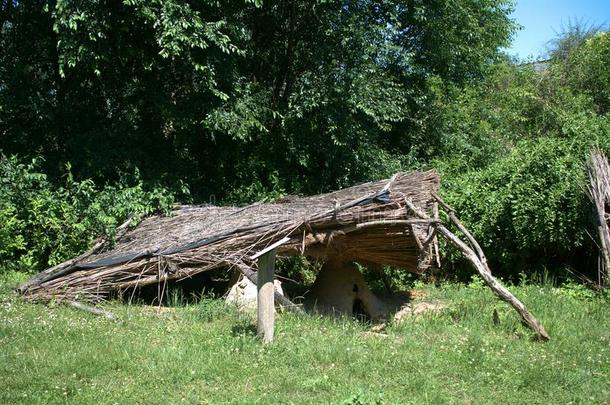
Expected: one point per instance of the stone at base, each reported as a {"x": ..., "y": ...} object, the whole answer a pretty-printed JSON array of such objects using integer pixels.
[{"x": 243, "y": 294}]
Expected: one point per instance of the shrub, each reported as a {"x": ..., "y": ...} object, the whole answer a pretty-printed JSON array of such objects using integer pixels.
[
  {"x": 587, "y": 70},
  {"x": 44, "y": 224},
  {"x": 530, "y": 206},
  {"x": 513, "y": 160}
]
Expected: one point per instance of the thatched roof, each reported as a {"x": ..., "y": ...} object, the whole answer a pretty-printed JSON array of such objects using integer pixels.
[{"x": 368, "y": 223}]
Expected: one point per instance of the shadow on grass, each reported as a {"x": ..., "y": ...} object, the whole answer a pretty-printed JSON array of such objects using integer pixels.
[{"x": 243, "y": 329}]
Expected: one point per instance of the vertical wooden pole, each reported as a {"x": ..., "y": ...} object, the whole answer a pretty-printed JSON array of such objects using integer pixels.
[{"x": 264, "y": 300}]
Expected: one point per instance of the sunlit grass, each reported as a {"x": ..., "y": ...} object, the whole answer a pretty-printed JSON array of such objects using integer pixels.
[{"x": 208, "y": 352}]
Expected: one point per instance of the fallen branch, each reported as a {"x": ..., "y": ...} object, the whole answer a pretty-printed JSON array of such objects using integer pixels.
[
  {"x": 453, "y": 217},
  {"x": 500, "y": 291},
  {"x": 482, "y": 268},
  {"x": 93, "y": 310}
]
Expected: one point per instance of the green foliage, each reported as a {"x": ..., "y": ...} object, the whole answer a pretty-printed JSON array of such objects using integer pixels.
[
  {"x": 178, "y": 30},
  {"x": 445, "y": 34},
  {"x": 390, "y": 279},
  {"x": 476, "y": 283},
  {"x": 512, "y": 154},
  {"x": 240, "y": 99},
  {"x": 43, "y": 224},
  {"x": 299, "y": 268},
  {"x": 587, "y": 70},
  {"x": 209, "y": 309},
  {"x": 527, "y": 204},
  {"x": 576, "y": 291}
]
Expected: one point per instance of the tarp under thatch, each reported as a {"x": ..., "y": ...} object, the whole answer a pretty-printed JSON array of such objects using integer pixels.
[{"x": 370, "y": 223}]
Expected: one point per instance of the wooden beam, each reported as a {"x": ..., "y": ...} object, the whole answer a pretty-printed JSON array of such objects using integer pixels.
[
  {"x": 265, "y": 300},
  {"x": 270, "y": 248}
]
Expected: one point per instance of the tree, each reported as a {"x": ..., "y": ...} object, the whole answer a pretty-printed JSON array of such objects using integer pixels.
[
  {"x": 570, "y": 37},
  {"x": 238, "y": 98},
  {"x": 587, "y": 70}
]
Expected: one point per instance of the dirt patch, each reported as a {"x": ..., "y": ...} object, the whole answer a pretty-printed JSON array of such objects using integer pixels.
[
  {"x": 417, "y": 294},
  {"x": 417, "y": 309}
]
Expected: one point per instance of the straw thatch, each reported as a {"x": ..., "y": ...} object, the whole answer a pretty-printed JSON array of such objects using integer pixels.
[
  {"x": 369, "y": 223},
  {"x": 599, "y": 192}
]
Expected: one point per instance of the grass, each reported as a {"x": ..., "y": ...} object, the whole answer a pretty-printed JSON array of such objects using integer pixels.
[{"x": 208, "y": 353}]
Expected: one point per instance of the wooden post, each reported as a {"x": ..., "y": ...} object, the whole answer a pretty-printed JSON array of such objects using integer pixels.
[{"x": 265, "y": 301}]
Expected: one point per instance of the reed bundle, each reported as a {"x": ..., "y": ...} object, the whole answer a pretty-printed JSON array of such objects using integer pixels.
[{"x": 599, "y": 192}]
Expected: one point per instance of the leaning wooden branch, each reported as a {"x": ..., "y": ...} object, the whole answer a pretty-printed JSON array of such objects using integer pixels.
[
  {"x": 453, "y": 217},
  {"x": 483, "y": 270}
]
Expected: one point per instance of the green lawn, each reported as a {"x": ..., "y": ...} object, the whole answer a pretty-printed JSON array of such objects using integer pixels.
[{"x": 207, "y": 353}]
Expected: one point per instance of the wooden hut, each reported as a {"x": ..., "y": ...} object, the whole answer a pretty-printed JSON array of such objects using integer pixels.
[
  {"x": 390, "y": 222},
  {"x": 369, "y": 223}
]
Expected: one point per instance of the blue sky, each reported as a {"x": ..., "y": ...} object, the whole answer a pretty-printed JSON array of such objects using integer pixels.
[{"x": 542, "y": 18}]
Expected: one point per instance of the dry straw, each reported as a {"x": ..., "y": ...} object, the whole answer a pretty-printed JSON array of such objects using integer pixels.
[
  {"x": 599, "y": 192},
  {"x": 369, "y": 223}
]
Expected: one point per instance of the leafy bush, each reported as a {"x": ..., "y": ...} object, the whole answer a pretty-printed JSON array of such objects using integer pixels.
[
  {"x": 576, "y": 291},
  {"x": 588, "y": 70},
  {"x": 513, "y": 159},
  {"x": 528, "y": 207},
  {"x": 44, "y": 224}
]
